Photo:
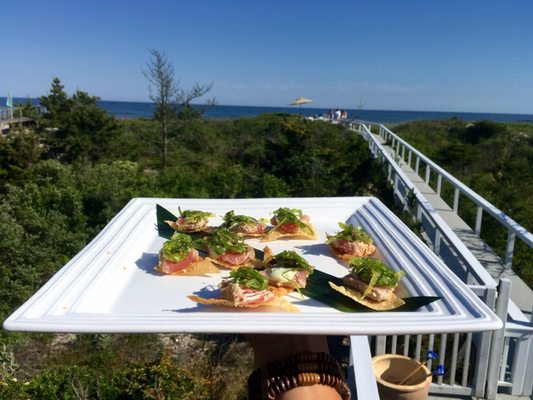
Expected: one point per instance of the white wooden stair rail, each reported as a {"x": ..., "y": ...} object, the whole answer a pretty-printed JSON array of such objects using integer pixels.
[
  {"x": 361, "y": 378},
  {"x": 514, "y": 371}
]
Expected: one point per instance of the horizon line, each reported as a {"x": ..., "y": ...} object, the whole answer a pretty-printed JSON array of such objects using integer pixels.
[{"x": 304, "y": 108}]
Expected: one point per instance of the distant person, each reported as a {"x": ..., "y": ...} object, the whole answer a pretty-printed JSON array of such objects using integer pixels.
[{"x": 337, "y": 114}]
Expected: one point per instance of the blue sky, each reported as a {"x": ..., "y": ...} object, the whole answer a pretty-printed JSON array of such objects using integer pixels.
[{"x": 453, "y": 55}]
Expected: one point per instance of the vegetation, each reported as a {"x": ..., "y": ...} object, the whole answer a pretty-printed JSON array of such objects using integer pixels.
[
  {"x": 63, "y": 182},
  {"x": 494, "y": 159},
  {"x": 78, "y": 129},
  {"x": 172, "y": 102}
]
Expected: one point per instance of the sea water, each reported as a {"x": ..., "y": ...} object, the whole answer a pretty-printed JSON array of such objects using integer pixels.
[
  {"x": 128, "y": 109},
  {"x": 132, "y": 110}
]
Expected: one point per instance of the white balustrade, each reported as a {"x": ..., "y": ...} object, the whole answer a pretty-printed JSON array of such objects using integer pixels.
[
  {"x": 515, "y": 229},
  {"x": 495, "y": 364}
]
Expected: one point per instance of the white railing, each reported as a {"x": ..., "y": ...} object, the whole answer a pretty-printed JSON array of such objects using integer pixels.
[
  {"x": 502, "y": 358},
  {"x": 9, "y": 113},
  {"x": 514, "y": 229}
]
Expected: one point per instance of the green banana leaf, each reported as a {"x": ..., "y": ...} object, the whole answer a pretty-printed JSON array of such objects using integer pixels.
[
  {"x": 163, "y": 229},
  {"x": 317, "y": 287}
]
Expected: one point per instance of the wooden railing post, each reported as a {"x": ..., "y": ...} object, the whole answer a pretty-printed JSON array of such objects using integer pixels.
[
  {"x": 509, "y": 249},
  {"x": 479, "y": 217},
  {"x": 498, "y": 338},
  {"x": 483, "y": 350},
  {"x": 456, "y": 193},
  {"x": 436, "y": 243}
]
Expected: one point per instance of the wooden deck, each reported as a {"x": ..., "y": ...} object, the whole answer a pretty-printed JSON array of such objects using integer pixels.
[{"x": 10, "y": 117}]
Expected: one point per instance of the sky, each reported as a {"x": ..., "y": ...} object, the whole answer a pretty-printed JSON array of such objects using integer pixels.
[{"x": 419, "y": 55}]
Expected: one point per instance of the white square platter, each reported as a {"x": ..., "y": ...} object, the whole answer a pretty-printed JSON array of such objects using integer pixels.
[{"x": 111, "y": 286}]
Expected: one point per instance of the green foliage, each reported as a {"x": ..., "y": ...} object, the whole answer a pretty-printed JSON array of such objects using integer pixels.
[
  {"x": 43, "y": 228},
  {"x": 106, "y": 188},
  {"x": 481, "y": 131},
  {"x": 50, "y": 208},
  {"x": 77, "y": 128},
  {"x": 172, "y": 102},
  {"x": 494, "y": 159},
  {"x": 18, "y": 152},
  {"x": 61, "y": 185},
  {"x": 137, "y": 140},
  {"x": 160, "y": 379}
]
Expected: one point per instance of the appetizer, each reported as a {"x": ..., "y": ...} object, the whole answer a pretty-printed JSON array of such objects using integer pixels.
[
  {"x": 371, "y": 283},
  {"x": 243, "y": 225},
  {"x": 178, "y": 256},
  {"x": 245, "y": 288},
  {"x": 351, "y": 241},
  {"x": 286, "y": 271},
  {"x": 290, "y": 223},
  {"x": 228, "y": 249},
  {"x": 191, "y": 221}
]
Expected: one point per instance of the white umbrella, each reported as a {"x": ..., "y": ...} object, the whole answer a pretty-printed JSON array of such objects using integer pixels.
[{"x": 299, "y": 101}]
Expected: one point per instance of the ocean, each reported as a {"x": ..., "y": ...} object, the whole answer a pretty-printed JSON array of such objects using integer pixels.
[{"x": 127, "y": 109}]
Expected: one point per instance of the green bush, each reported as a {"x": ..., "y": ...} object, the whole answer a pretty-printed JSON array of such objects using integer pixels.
[{"x": 49, "y": 209}]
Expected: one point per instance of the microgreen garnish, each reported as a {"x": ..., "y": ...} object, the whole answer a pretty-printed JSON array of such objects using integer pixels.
[
  {"x": 291, "y": 260},
  {"x": 374, "y": 273},
  {"x": 223, "y": 241},
  {"x": 286, "y": 215},
  {"x": 177, "y": 248},
  {"x": 231, "y": 221},
  {"x": 350, "y": 233},
  {"x": 194, "y": 216},
  {"x": 249, "y": 277}
]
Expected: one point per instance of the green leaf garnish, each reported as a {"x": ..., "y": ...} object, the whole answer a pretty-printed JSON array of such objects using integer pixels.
[
  {"x": 374, "y": 273},
  {"x": 231, "y": 221},
  {"x": 223, "y": 241},
  {"x": 350, "y": 233},
  {"x": 194, "y": 216},
  {"x": 177, "y": 248},
  {"x": 249, "y": 277},
  {"x": 289, "y": 259},
  {"x": 286, "y": 215}
]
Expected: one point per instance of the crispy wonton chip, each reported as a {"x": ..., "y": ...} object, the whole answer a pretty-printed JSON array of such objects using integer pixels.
[
  {"x": 180, "y": 228},
  {"x": 224, "y": 264},
  {"x": 280, "y": 291},
  {"x": 277, "y": 302},
  {"x": 390, "y": 304},
  {"x": 250, "y": 235},
  {"x": 201, "y": 267},
  {"x": 274, "y": 234}
]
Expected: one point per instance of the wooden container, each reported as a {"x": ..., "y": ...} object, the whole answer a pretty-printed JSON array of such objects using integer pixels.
[{"x": 390, "y": 369}]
